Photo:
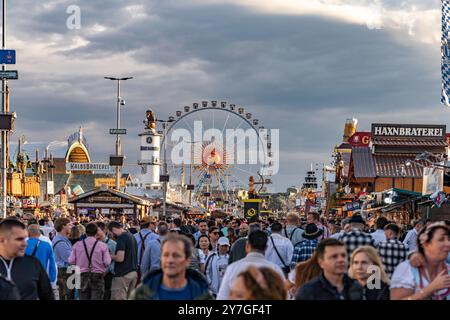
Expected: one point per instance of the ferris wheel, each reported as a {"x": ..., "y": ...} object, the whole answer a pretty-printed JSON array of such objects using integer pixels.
[{"x": 210, "y": 150}]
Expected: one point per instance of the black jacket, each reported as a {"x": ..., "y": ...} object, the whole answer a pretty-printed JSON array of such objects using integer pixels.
[
  {"x": 377, "y": 294},
  {"x": 320, "y": 289},
  {"x": 148, "y": 290},
  {"x": 237, "y": 251},
  {"x": 8, "y": 291},
  {"x": 30, "y": 278}
]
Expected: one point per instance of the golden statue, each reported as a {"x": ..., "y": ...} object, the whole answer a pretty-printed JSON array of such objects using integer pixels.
[
  {"x": 151, "y": 120},
  {"x": 251, "y": 187}
]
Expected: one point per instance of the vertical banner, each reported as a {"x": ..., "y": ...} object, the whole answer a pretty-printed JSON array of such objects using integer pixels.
[
  {"x": 445, "y": 53},
  {"x": 251, "y": 209},
  {"x": 433, "y": 180}
]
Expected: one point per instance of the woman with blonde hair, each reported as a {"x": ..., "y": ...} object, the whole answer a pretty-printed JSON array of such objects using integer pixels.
[
  {"x": 364, "y": 263},
  {"x": 258, "y": 284}
]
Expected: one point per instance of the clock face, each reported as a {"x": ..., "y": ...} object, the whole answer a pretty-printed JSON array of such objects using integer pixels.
[{"x": 149, "y": 140}]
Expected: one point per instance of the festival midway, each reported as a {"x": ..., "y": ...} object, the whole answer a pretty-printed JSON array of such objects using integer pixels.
[{"x": 225, "y": 150}]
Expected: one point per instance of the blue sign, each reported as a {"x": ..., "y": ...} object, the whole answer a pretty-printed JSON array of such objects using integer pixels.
[{"x": 8, "y": 56}]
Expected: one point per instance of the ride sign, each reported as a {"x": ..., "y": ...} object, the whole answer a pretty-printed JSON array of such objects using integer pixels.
[
  {"x": 252, "y": 209},
  {"x": 9, "y": 74},
  {"x": 7, "y": 56}
]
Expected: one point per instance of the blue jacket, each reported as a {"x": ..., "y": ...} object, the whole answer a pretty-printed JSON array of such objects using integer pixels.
[
  {"x": 148, "y": 290},
  {"x": 44, "y": 254},
  {"x": 151, "y": 258},
  {"x": 62, "y": 249}
]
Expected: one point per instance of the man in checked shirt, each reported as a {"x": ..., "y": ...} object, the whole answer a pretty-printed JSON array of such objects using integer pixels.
[
  {"x": 392, "y": 251},
  {"x": 305, "y": 248}
]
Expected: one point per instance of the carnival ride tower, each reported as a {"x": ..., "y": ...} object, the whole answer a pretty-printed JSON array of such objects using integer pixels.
[{"x": 150, "y": 154}]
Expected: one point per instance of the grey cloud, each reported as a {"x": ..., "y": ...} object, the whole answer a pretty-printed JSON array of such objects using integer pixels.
[{"x": 304, "y": 75}]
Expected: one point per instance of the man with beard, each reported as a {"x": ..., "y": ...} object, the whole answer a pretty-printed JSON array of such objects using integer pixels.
[
  {"x": 25, "y": 271},
  {"x": 174, "y": 281},
  {"x": 333, "y": 283}
]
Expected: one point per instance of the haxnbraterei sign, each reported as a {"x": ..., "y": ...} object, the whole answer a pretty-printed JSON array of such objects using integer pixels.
[
  {"x": 408, "y": 131},
  {"x": 82, "y": 166}
]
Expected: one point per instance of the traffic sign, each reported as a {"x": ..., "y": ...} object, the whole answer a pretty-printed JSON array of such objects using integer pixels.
[
  {"x": 9, "y": 74},
  {"x": 8, "y": 56},
  {"x": 117, "y": 131}
]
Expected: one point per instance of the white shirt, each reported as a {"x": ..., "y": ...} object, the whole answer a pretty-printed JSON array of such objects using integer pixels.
[
  {"x": 378, "y": 236},
  {"x": 45, "y": 239},
  {"x": 46, "y": 230},
  {"x": 284, "y": 247},
  {"x": 215, "y": 271},
  {"x": 337, "y": 235},
  {"x": 252, "y": 259},
  {"x": 411, "y": 240},
  {"x": 407, "y": 277}
]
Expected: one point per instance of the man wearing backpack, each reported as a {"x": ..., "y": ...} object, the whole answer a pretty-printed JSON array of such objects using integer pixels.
[
  {"x": 62, "y": 247},
  {"x": 143, "y": 238},
  {"x": 42, "y": 251},
  {"x": 93, "y": 258},
  {"x": 151, "y": 258},
  {"x": 292, "y": 230}
]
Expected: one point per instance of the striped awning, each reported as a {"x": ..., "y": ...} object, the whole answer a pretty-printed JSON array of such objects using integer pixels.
[{"x": 391, "y": 166}]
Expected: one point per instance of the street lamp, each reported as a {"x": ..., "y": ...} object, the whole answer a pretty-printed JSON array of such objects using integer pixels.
[{"x": 120, "y": 102}]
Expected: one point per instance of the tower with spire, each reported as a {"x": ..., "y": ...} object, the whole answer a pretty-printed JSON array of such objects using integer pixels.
[
  {"x": 150, "y": 154},
  {"x": 310, "y": 183}
]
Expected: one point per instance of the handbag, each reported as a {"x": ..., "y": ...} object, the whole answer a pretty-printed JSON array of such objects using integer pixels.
[{"x": 286, "y": 269}]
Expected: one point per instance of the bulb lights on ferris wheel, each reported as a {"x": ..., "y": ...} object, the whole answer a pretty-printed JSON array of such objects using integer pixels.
[{"x": 213, "y": 172}]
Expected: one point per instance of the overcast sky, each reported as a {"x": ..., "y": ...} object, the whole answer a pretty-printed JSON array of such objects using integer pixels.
[{"x": 303, "y": 66}]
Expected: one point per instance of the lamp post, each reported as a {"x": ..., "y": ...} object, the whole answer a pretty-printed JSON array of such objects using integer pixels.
[{"x": 120, "y": 102}]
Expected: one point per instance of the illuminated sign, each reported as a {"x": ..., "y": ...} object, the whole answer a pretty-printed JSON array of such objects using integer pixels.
[
  {"x": 360, "y": 139},
  {"x": 398, "y": 130}
]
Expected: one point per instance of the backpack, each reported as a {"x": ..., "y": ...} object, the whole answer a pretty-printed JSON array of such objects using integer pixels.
[{"x": 292, "y": 233}]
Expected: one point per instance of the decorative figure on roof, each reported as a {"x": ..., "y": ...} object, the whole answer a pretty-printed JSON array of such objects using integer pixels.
[
  {"x": 150, "y": 123},
  {"x": 339, "y": 171},
  {"x": 251, "y": 187}
]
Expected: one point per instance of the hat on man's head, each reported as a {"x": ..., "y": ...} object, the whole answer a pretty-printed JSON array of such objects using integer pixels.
[
  {"x": 357, "y": 219},
  {"x": 223, "y": 241},
  {"x": 312, "y": 232}
]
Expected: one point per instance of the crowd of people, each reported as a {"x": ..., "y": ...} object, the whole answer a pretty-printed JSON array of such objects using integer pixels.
[{"x": 292, "y": 258}]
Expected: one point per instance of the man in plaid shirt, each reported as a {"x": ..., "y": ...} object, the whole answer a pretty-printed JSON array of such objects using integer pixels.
[
  {"x": 356, "y": 237},
  {"x": 305, "y": 248},
  {"x": 392, "y": 251}
]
